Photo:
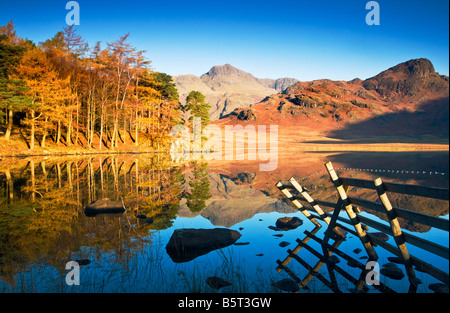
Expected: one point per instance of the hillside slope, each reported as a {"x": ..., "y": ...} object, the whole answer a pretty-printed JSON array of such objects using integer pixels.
[{"x": 409, "y": 100}]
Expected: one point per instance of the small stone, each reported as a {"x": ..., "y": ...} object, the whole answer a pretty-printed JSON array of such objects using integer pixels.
[
  {"x": 334, "y": 259},
  {"x": 357, "y": 250},
  {"x": 83, "y": 262},
  {"x": 287, "y": 284},
  {"x": 438, "y": 288},
  {"x": 353, "y": 263},
  {"x": 395, "y": 259},
  {"x": 288, "y": 223},
  {"x": 241, "y": 243},
  {"x": 380, "y": 236},
  {"x": 390, "y": 265},
  {"x": 392, "y": 272},
  {"x": 217, "y": 282},
  {"x": 284, "y": 244}
]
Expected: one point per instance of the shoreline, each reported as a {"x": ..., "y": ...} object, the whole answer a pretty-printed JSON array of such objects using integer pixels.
[{"x": 304, "y": 147}]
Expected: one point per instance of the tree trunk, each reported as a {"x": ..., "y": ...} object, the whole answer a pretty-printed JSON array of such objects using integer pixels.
[
  {"x": 9, "y": 126},
  {"x": 32, "y": 130},
  {"x": 101, "y": 129},
  {"x": 44, "y": 135},
  {"x": 58, "y": 133},
  {"x": 69, "y": 130},
  {"x": 136, "y": 130}
]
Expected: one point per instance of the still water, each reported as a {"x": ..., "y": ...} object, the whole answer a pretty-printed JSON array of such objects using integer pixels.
[{"x": 43, "y": 224}]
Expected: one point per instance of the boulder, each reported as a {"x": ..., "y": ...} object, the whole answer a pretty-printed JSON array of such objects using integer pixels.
[
  {"x": 187, "y": 244},
  {"x": 104, "y": 206},
  {"x": 287, "y": 223}
]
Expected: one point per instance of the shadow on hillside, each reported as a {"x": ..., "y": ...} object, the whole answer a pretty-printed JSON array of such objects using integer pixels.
[
  {"x": 422, "y": 163},
  {"x": 429, "y": 124}
]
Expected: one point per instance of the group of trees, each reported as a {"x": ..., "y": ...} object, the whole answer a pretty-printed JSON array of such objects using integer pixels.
[{"x": 80, "y": 96}]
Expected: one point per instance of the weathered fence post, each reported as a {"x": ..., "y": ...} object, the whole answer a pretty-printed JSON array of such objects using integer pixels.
[
  {"x": 396, "y": 230},
  {"x": 297, "y": 203},
  {"x": 316, "y": 207},
  {"x": 351, "y": 213}
]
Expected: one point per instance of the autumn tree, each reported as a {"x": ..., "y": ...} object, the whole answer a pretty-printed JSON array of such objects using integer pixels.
[
  {"x": 12, "y": 91},
  {"x": 47, "y": 92}
]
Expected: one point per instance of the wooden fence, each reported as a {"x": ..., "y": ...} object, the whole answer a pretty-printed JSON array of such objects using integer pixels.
[{"x": 358, "y": 225}]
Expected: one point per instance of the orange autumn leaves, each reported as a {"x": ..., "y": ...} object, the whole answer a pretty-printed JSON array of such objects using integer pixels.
[{"x": 91, "y": 98}]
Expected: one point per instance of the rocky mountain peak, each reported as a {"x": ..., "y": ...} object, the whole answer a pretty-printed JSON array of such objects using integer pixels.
[
  {"x": 408, "y": 79},
  {"x": 227, "y": 70}
]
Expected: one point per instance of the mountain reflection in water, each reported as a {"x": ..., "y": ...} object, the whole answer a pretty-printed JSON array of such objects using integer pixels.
[{"x": 43, "y": 224}]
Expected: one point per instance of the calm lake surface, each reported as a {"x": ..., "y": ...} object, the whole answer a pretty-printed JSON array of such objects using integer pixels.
[{"x": 43, "y": 224}]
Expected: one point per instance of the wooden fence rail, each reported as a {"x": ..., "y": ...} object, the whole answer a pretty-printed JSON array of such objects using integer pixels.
[{"x": 353, "y": 206}]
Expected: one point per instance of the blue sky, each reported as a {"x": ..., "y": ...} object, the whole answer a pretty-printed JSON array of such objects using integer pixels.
[{"x": 302, "y": 39}]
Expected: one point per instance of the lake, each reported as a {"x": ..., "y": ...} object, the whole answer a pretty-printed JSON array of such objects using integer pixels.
[{"x": 43, "y": 224}]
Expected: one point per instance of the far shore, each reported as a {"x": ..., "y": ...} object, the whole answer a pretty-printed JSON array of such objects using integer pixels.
[{"x": 282, "y": 149}]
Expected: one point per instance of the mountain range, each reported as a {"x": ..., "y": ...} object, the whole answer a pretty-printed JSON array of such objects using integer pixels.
[
  {"x": 227, "y": 88},
  {"x": 409, "y": 99}
]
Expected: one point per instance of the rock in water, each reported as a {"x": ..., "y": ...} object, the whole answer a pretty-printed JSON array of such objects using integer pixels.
[
  {"x": 104, "y": 206},
  {"x": 380, "y": 236},
  {"x": 287, "y": 223},
  {"x": 392, "y": 272},
  {"x": 83, "y": 262},
  {"x": 188, "y": 243},
  {"x": 287, "y": 284},
  {"x": 439, "y": 288},
  {"x": 217, "y": 282},
  {"x": 334, "y": 259}
]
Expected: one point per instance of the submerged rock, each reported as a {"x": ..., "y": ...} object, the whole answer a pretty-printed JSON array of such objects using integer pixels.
[
  {"x": 353, "y": 263},
  {"x": 439, "y": 288},
  {"x": 217, "y": 282},
  {"x": 287, "y": 223},
  {"x": 287, "y": 284},
  {"x": 241, "y": 243},
  {"x": 104, "y": 206},
  {"x": 380, "y": 236},
  {"x": 83, "y": 262},
  {"x": 392, "y": 272},
  {"x": 395, "y": 259},
  {"x": 189, "y": 243},
  {"x": 334, "y": 259}
]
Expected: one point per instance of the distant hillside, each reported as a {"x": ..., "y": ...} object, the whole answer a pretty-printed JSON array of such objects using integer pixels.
[
  {"x": 409, "y": 99},
  {"x": 227, "y": 88}
]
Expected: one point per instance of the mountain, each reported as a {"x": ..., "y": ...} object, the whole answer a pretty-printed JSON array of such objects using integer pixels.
[
  {"x": 227, "y": 88},
  {"x": 409, "y": 99},
  {"x": 233, "y": 201}
]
